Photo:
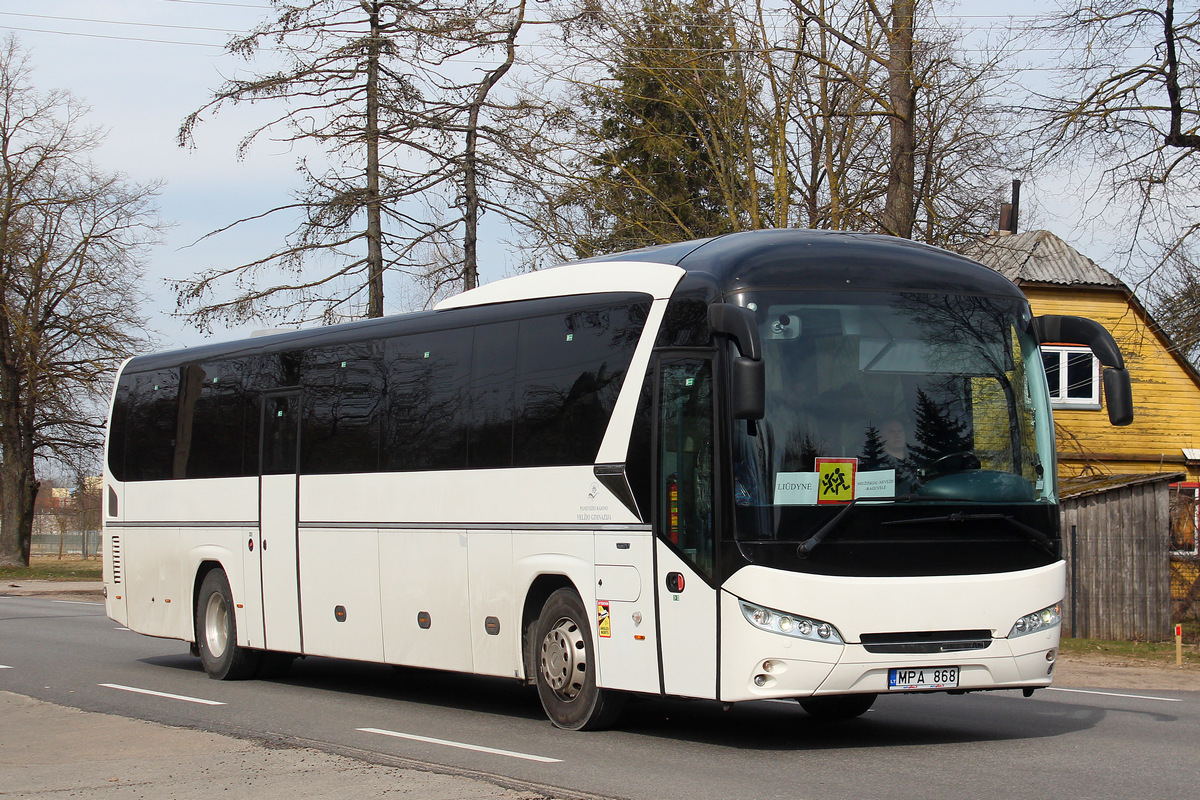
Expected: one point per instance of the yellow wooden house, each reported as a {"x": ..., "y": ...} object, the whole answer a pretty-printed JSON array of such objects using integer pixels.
[{"x": 1165, "y": 434}]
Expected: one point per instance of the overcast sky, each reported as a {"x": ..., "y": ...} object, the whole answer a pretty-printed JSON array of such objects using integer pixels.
[{"x": 143, "y": 65}]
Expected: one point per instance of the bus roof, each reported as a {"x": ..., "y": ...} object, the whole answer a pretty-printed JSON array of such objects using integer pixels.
[
  {"x": 798, "y": 258},
  {"x": 778, "y": 258}
]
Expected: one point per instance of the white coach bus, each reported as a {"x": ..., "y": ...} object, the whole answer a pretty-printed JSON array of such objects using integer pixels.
[{"x": 776, "y": 464}]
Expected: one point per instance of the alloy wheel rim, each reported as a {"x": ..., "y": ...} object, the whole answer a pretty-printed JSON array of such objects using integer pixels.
[{"x": 216, "y": 625}]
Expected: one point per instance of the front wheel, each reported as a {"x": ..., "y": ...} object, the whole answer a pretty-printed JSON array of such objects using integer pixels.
[
  {"x": 566, "y": 667},
  {"x": 838, "y": 706},
  {"x": 216, "y": 632}
]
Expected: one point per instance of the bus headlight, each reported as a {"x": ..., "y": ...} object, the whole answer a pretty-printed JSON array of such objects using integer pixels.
[
  {"x": 768, "y": 619},
  {"x": 1037, "y": 621}
]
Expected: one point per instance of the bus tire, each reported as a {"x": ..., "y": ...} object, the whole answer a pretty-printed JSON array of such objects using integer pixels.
[
  {"x": 565, "y": 657},
  {"x": 838, "y": 706},
  {"x": 216, "y": 632}
]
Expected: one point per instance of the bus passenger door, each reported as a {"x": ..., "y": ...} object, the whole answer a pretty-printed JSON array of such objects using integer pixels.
[
  {"x": 685, "y": 541},
  {"x": 277, "y": 541}
]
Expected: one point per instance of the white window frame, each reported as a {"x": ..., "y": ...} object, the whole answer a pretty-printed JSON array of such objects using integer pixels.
[{"x": 1058, "y": 389}]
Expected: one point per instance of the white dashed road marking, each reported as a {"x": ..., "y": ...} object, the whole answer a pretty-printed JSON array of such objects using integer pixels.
[
  {"x": 1116, "y": 694},
  {"x": 185, "y": 698},
  {"x": 462, "y": 745}
]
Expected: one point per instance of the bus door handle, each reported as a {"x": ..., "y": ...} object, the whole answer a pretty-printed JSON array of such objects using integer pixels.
[{"x": 674, "y": 582}]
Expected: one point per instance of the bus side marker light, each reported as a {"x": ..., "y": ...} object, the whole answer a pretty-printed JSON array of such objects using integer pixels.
[{"x": 639, "y": 637}]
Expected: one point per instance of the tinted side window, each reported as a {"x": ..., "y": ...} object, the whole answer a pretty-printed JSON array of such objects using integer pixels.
[
  {"x": 638, "y": 458},
  {"x": 493, "y": 374},
  {"x": 427, "y": 376},
  {"x": 685, "y": 430},
  {"x": 225, "y": 428},
  {"x": 570, "y": 369},
  {"x": 192, "y": 380},
  {"x": 150, "y": 425},
  {"x": 343, "y": 403},
  {"x": 685, "y": 324},
  {"x": 280, "y": 429},
  {"x": 118, "y": 426}
]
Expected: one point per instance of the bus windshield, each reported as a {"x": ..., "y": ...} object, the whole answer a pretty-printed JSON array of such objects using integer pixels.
[{"x": 891, "y": 398}]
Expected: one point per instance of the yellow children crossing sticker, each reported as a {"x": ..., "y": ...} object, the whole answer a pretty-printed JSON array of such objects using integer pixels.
[
  {"x": 835, "y": 479},
  {"x": 604, "y": 619}
]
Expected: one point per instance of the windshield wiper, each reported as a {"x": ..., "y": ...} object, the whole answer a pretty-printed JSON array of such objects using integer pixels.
[
  {"x": 815, "y": 540},
  {"x": 810, "y": 544},
  {"x": 1029, "y": 531}
]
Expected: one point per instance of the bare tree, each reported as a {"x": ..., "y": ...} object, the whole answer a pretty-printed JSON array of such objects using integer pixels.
[
  {"x": 1128, "y": 102},
  {"x": 1174, "y": 297},
  {"x": 888, "y": 44},
  {"x": 71, "y": 243},
  {"x": 385, "y": 98},
  {"x": 1128, "y": 108}
]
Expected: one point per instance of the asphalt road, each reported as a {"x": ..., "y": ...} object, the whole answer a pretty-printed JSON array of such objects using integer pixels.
[{"x": 1098, "y": 742}]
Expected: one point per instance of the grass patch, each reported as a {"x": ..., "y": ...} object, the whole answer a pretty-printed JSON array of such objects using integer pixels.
[
  {"x": 1157, "y": 652},
  {"x": 50, "y": 568}
]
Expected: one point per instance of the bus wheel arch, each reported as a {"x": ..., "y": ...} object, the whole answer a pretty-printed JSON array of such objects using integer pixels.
[
  {"x": 564, "y": 655},
  {"x": 216, "y": 628},
  {"x": 535, "y": 599}
]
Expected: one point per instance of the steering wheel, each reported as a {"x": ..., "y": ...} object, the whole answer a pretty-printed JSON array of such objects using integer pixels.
[{"x": 953, "y": 462}]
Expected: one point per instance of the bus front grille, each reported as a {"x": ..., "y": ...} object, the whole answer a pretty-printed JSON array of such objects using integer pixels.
[{"x": 926, "y": 641}]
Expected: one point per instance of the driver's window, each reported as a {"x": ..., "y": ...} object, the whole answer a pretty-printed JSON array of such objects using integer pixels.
[{"x": 686, "y": 458}]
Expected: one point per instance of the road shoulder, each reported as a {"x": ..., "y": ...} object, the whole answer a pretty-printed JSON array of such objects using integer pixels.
[
  {"x": 1082, "y": 671},
  {"x": 48, "y": 750}
]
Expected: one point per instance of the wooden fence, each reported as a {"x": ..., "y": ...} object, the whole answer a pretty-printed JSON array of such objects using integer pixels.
[{"x": 1116, "y": 541}]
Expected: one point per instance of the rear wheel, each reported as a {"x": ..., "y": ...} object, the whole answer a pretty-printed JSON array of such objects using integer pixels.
[
  {"x": 566, "y": 667},
  {"x": 216, "y": 632},
  {"x": 838, "y": 706}
]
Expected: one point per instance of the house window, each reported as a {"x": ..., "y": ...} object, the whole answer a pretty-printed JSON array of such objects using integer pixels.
[
  {"x": 1185, "y": 516},
  {"x": 1073, "y": 375}
]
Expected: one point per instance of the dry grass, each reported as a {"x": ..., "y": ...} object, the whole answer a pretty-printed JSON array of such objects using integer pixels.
[
  {"x": 1131, "y": 652},
  {"x": 51, "y": 568}
]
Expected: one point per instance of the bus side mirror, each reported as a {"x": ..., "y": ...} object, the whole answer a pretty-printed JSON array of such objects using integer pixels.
[
  {"x": 748, "y": 374},
  {"x": 749, "y": 388},
  {"x": 738, "y": 323},
  {"x": 1118, "y": 396}
]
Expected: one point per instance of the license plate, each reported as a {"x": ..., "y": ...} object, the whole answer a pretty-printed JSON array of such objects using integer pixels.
[{"x": 908, "y": 679}]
